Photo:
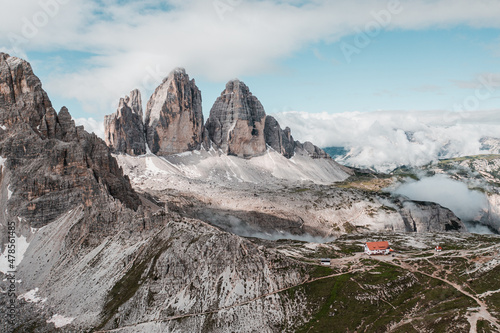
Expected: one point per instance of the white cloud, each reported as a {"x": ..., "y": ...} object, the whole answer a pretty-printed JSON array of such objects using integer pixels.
[
  {"x": 91, "y": 125},
  {"x": 385, "y": 140},
  {"x": 131, "y": 40},
  {"x": 466, "y": 204}
]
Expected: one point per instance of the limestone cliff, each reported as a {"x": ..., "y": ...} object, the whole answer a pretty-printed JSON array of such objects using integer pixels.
[
  {"x": 174, "y": 117},
  {"x": 124, "y": 130},
  {"x": 236, "y": 122}
]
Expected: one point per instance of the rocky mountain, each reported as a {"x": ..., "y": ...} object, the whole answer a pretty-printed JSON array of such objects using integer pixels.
[
  {"x": 125, "y": 128},
  {"x": 236, "y": 122},
  {"x": 278, "y": 139},
  {"x": 237, "y": 125},
  {"x": 174, "y": 117},
  {"x": 22, "y": 99},
  {"x": 94, "y": 253}
]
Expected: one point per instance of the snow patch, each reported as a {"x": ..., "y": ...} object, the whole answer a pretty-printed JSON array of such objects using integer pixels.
[
  {"x": 3, "y": 127},
  {"x": 9, "y": 193},
  {"x": 31, "y": 297},
  {"x": 60, "y": 321},
  {"x": 186, "y": 153},
  {"x": 148, "y": 151}
]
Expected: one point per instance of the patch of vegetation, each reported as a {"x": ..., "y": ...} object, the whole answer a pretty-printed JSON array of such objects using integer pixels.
[
  {"x": 384, "y": 294},
  {"x": 320, "y": 271},
  {"x": 125, "y": 288},
  {"x": 484, "y": 326}
]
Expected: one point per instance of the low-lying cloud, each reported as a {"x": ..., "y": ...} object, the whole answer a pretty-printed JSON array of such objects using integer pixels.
[
  {"x": 384, "y": 140},
  {"x": 466, "y": 204}
]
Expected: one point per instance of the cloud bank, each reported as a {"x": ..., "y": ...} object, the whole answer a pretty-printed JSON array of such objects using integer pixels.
[
  {"x": 385, "y": 140},
  {"x": 466, "y": 204},
  {"x": 452, "y": 194}
]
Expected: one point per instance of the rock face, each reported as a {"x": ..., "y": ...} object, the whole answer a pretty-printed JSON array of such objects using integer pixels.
[
  {"x": 278, "y": 139},
  {"x": 174, "y": 117},
  {"x": 124, "y": 130},
  {"x": 49, "y": 164},
  {"x": 421, "y": 216},
  {"x": 307, "y": 148},
  {"x": 236, "y": 122},
  {"x": 282, "y": 141},
  {"x": 22, "y": 99}
]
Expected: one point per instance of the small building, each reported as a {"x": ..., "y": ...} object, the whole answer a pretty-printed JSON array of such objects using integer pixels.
[
  {"x": 439, "y": 248},
  {"x": 325, "y": 261},
  {"x": 374, "y": 248}
]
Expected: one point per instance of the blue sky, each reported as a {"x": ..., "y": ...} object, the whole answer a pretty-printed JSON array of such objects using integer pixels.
[{"x": 430, "y": 56}]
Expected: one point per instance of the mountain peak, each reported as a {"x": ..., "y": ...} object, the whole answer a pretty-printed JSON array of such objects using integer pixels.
[
  {"x": 236, "y": 122},
  {"x": 174, "y": 117},
  {"x": 21, "y": 93},
  {"x": 124, "y": 129}
]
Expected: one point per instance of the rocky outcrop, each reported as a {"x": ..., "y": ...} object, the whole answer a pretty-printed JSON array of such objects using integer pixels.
[
  {"x": 124, "y": 130},
  {"x": 278, "y": 139},
  {"x": 421, "y": 216},
  {"x": 49, "y": 164},
  {"x": 22, "y": 99},
  {"x": 58, "y": 126},
  {"x": 282, "y": 141},
  {"x": 237, "y": 124},
  {"x": 174, "y": 117},
  {"x": 307, "y": 148},
  {"x": 237, "y": 120}
]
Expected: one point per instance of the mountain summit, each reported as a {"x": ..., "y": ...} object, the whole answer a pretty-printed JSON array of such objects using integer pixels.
[
  {"x": 237, "y": 125},
  {"x": 174, "y": 117},
  {"x": 236, "y": 122}
]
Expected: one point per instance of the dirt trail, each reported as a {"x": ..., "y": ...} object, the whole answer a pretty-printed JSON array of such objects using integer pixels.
[{"x": 474, "y": 313}]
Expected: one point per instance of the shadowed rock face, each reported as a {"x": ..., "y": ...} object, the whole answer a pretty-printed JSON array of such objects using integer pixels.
[
  {"x": 50, "y": 165},
  {"x": 174, "y": 117},
  {"x": 124, "y": 130},
  {"x": 236, "y": 122},
  {"x": 278, "y": 139}
]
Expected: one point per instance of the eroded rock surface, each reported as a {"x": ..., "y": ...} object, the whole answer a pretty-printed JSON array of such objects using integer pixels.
[
  {"x": 174, "y": 117},
  {"x": 124, "y": 130},
  {"x": 237, "y": 120}
]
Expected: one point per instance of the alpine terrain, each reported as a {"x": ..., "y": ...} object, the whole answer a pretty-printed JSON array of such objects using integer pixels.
[{"x": 174, "y": 223}]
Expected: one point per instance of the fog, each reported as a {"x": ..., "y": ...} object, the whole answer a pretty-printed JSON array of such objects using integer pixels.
[
  {"x": 452, "y": 194},
  {"x": 241, "y": 228}
]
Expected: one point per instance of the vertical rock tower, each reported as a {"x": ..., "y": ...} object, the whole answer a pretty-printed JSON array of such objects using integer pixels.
[
  {"x": 174, "y": 117},
  {"x": 236, "y": 122},
  {"x": 124, "y": 130}
]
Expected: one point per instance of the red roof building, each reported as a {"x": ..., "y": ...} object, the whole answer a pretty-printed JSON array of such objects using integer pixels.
[{"x": 377, "y": 248}]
